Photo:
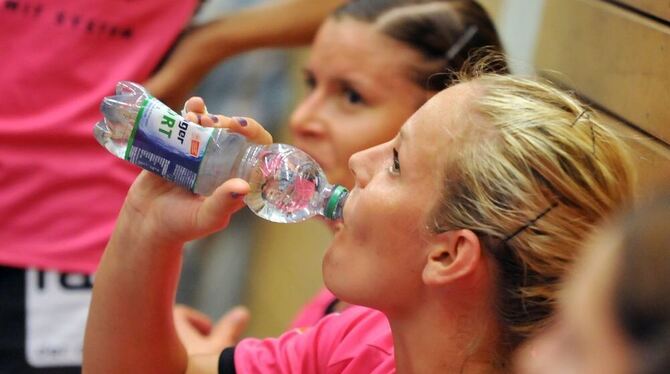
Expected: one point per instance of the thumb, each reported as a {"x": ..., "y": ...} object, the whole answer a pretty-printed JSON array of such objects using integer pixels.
[
  {"x": 215, "y": 212},
  {"x": 186, "y": 317},
  {"x": 229, "y": 328}
]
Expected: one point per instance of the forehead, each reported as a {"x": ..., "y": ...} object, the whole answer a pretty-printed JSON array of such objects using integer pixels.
[
  {"x": 345, "y": 44},
  {"x": 443, "y": 118}
]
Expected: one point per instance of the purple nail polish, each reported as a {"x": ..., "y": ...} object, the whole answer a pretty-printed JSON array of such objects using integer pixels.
[
  {"x": 241, "y": 121},
  {"x": 214, "y": 118},
  {"x": 235, "y": 195}
]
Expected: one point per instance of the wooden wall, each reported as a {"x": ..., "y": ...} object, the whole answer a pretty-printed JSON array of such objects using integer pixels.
[
  {"x": 616, "y": 54},
  {"x": 492, "y": 7}
]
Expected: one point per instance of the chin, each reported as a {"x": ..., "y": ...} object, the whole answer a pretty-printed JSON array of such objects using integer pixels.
[
  {"x": 335, "y": 267},
  {"x": 314, "y": 154},
  {"x": 329, "y": 274}
]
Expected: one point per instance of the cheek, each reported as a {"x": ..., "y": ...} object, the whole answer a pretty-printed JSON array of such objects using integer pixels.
[
  {"x": 384, "y": 226},
  {"x": 343, "y": 142},
  {"x": 365, "y": 129},
  {"x": 357, "y": 269},
  {"x": 376, "y": 259},
  {"x": 341, "y": 267}
]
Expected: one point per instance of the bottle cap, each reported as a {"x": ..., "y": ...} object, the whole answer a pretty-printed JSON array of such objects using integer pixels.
[{"x": 331, "y": 207}]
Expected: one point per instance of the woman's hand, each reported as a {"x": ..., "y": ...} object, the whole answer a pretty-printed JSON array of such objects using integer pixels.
[
  {"x": 200, "y": 336},
  {"x": 167, "y": 214},
  {"x": 195, "y": 111}
]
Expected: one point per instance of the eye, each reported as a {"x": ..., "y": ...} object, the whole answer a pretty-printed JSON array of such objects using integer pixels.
[
  {"x": 353, "y": 97},
  {"x": 395, "y": 167},
  {"x": 310, "y": 81}
]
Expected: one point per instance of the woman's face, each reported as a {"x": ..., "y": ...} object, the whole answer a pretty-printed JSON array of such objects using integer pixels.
[
  {"x": 585, "y": 338},
  {"x": 377, "y": 257},
  {"x": 360, "y": 93}
]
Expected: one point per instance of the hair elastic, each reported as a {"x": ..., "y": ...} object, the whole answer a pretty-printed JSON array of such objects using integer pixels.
[{"x": 461, "y": 42}]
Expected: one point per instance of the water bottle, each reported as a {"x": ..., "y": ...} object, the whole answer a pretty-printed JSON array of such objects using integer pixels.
[{"x": 287, "y": 185}]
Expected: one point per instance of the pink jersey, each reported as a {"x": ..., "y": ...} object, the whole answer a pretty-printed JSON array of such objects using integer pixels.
[
  {"x": 356, "y": 341},
  {"x": 60, "y": 191},
  {"x": 314, "y": 310}
]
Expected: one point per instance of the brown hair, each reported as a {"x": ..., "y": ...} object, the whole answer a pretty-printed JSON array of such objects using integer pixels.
[
  {"x": 445, "y": 32},
  {"x": 534, "y": 173}
]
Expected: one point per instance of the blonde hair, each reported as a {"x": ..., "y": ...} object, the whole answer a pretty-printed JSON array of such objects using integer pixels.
[{"x": 532, "y": 184}]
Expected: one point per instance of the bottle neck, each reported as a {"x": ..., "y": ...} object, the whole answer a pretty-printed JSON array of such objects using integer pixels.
[
  {"x": 335, "y": 197},
  {"x": 248, "y": 160}
]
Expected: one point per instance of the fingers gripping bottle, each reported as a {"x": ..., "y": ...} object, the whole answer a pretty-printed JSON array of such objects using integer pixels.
[{"x": 287, "y": 185}]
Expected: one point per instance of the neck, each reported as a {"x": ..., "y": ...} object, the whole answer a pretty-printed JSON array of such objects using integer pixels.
[{"x": 466, "y": 341}]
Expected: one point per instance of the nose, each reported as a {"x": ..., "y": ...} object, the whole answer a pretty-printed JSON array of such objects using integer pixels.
[
  {"x": 355, "y": 166},
  {"x": 305, "y": 122},
  {"x": 364, "y": 164}
]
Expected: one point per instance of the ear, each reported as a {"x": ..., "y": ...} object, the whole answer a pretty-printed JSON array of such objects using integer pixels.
[{"x": 453, "y": 255}]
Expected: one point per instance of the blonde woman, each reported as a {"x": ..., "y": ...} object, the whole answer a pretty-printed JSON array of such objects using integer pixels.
[
  {"x": 372, "y": 64},
  {"x": 458, "y": 231}
]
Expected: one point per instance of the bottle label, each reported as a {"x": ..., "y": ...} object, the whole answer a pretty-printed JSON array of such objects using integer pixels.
[{"x": 164, "y": 143}]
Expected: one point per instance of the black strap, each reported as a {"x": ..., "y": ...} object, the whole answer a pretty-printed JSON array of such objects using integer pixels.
[
  {"x": 331, "y": 307},
  {"x": 227, "y": 361}
]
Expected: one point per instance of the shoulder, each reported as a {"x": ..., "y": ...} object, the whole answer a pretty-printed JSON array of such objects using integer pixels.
[{"x": 354, "y": 341}]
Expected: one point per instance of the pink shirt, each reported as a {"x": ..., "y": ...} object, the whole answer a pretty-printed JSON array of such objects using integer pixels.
[
  {"x": 356, "y": 341},
  {"x": 314, "y": 310},
  {"x": 60, "y": 191}
]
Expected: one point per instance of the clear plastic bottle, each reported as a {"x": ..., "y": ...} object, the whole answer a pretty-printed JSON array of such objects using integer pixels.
[{"x": 287, "y": 185}]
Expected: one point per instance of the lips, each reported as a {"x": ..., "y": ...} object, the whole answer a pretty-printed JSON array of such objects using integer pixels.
[
  {"x": 318, "y": 160},
  {"x": 309, "y": 150},
  {"x": 348, "y": 207}
]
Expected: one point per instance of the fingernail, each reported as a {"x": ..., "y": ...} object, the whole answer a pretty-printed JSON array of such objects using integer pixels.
[
  {"x": 214, "y": 118},
  {"x": 235, "y": 195},
  {"x": 241, "y": 121},
  {"x": 240, "y": 312},
  {"x": 236, "y": 314}
]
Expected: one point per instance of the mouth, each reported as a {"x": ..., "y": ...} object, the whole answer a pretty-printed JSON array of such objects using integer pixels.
[
  {"x": 337, "y": 227},
  {"x": 316, "y": 159},
  {"x": 347, "y": 208},
  {"x": 305, "y": 147}
]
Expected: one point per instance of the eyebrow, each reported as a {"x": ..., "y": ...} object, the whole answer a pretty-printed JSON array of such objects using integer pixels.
[
  {"x": 358, "y": 84},
  {"x": 357, "y": 81}
]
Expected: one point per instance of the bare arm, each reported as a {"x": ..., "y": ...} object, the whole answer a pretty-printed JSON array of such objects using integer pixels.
[
  {"x": 278, "y": 23},
  {"x": 130, "y": 328}
]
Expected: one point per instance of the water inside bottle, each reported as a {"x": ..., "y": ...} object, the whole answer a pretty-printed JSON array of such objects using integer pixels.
[{"x": 286, "y": 185}]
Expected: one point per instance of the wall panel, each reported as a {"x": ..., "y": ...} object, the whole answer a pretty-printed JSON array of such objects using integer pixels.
[{"x": 614, "y": 57}]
